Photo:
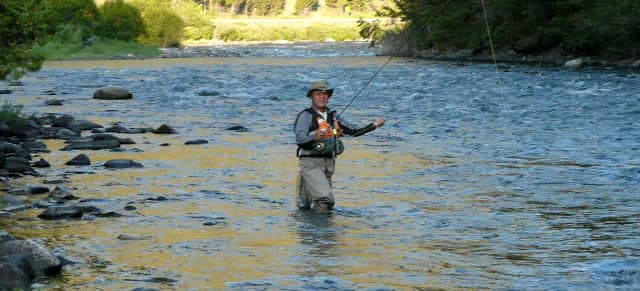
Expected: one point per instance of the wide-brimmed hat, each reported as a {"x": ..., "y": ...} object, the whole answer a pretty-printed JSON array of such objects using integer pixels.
[{"x": 320, "y": 85}]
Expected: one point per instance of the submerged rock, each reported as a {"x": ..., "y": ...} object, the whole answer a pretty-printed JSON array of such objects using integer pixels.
[
  {"x": 18, "y": 165},
  {"x": 62, "y": 193},
  {"x": 41, "y": 164},
  {"x": 112, "y": 93},
  {"x": 5, "y": 91},
  {"x": 131, "y": 237},
  {"x": 121, "y": 129},
  {"x": 196, "y": 142},
  {"x": 122, "y": 164},
  {"x": 92, "y": 145},
  {"x": 164, "y": 129},
  {"x": 32, "y": 258},
  {"x": 237, "y": 128},
  {"x": 12, "y": 278},
  {"x": 80, "y": 125},
  {"x": 5, "y": 236},
  {"x": 67, "y": 211},
  {"x": 53, "y": 102},
  {"x": 79, "y": 160}
]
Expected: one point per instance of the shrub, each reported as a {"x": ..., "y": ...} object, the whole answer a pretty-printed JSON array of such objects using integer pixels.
[
  {"x": 119, "y": 20},
  {"x": 82, "y": 13},
  {"x": 163, "y": 27},
  {"x": 197, "y": 24},
  {"x": 11, "y": 114}
]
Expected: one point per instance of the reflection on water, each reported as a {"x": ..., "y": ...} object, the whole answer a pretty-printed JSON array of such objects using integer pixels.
[{"x": 528, "y": 184}]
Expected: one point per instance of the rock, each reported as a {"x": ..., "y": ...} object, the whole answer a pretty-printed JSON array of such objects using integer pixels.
[
  {"x": 197, "y": 141},
  {"x": 37, "y": 190},
  {"x": 159, "y": 198},
  {"x": 126, "y": 141},
  {"x": 9, "y": 200},
  {"x": 35, "y": 146},
  {"x": 206, "y": 92},
  {"x": 46, "y": 203},
  {"x": 53, "y": 102},
  {"x": 12, "y": 278},
  {"x": 67, "y": 211},
  {"x": 144, "y": 289},
  {"x": 574, "y": 64},
  {"x": 80, "y": 125},
  {"x": 164, "y": 144},
  {"x": 237, "y": 128},
  {"x": 164, "y": 129},
  {"x": 49, "y": 93},
  {"x": 32, "y": 258},
  {"x": 11, "y": 148},
  {"x": 131, "y": 237},
  {"x": 41, "y": 164},
  {"x": 130, "y": 208},
  {"x": 18, "y": 165},
  {"x": 122, "y": 164},
  {"x": 5, "y": 91},
  {"x": 636, "y": 64},
  {"x": 79, "y": 160},
  {"x": 122, "y": 129},
  {"x": 112, "y": 93},
  {"x": 61, "y": 121},
  {"x": 111, "y": 214},
  {"x": 5, "y": 236},
  {"x": 62, "y": 193},
  {"x": 92, "y": 145},
  {"x": 64, "y": 134}
]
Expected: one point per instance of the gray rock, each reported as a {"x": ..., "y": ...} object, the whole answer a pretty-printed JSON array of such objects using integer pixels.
[
  {"x": 11, "y": 148},
  {"x": 62, "y": 193},
  {"x": 11, "y": 199},
  {"x": 164, "y": 129},
  {"x": 18, "y": 165},
  {"x": 61, "y": 121},
  {"x": 574, "y": 64},
  {"x": 32, "y": 258},
  {"x": 37, "y": 190},
  {"x": 130, "y": 208},
  {"x": 5, "y": 91},
  {"x": 46, "y": 203},
  {"x": 67, "y": 211},
  {"x": 144, "y": 289},
  {"x": 112, "y": 93},
  {"x": 64, "y": 134},
  {"x": 196, "y": 142},
  {"x": 122, "y": 129},
  {"x": 208, "y": 93},
  {"x": 53, "y": 102},
  {"x": 237, "y": 128},
  {"x": 131, "y": 237},
  {"x": 80, "y": 125},
  {"x": 41, "y": 164},
  {"x": 34, "y": 146},
  {"x": 79, "y": 160},
  {"x": 92, "y": 145},
  {"x": 5, "y": 236},
  {"x": 122, "y": 164},
  {"x": 12, "y": 278}
]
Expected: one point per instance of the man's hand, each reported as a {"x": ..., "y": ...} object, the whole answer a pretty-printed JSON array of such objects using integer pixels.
[
  {"x": 379, "y": 122},
  {"x": 323, "y": 133}
]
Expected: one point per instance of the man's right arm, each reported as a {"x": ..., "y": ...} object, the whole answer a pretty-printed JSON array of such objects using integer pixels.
[{"x": 304, "y": 137}]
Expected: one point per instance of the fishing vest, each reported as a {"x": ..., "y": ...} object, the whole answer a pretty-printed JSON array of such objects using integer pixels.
[{"x": 324, "y": 148}]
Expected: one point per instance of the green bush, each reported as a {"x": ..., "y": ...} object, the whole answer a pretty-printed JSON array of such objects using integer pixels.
[
  {"x": 11, "y": 114},
  {"x": 119, "y": 20},
  {"x": 82, "y": 13},
  {"x": 163, "y": 27},
  {"x": 197, "y": 24}
]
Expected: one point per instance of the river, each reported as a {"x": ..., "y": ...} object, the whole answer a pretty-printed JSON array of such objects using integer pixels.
[{"x": 525, "y": 178}]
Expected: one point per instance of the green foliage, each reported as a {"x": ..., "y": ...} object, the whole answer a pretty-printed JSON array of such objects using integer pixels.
[
  {"x": 11, "y": 114},
  {"x": 98, "y": 49},
  {"x": 82, "y": 13},
  {"x": 119, "y": 20},
  {"x": 272, "y": 32},
  {"x": 197, "y": 24},
  {"x": 163, "y": 27},
  {"x": 303, "y": 7},
  {"x": 20, "y": 28},
  {"x": 580, "y": 27}
]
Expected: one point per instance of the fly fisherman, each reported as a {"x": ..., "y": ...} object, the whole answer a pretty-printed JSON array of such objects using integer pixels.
[{"x": 317, "y": 135}]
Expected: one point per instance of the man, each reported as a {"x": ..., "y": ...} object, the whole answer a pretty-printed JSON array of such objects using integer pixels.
[{"x": 317, "y": 131}]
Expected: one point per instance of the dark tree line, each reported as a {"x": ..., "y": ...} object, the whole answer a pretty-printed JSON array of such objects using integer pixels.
[{"x": 576, "y": 27}]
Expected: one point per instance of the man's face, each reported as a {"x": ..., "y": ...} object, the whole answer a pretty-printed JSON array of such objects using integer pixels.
[{"x": 320, "y": 99}]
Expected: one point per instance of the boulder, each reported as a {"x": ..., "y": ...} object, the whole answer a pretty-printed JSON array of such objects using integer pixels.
[
  {"x": 61, "y": 121},
  {"x": 80, "y": 125},
  {"x": 53, "y": 102},
  {"x": 67, "y": 211},
  {"x": 92, "y": 145},
  {"x": 62, "y": 193},
  {"x": 41, "y": 164},
  {"x": 122, "y": 164},
  {"x": 63, "y": 133},
  {"x": 32, "y": 258},
  {"x": 18, "y": 165},
  {"x": 574, "y": 64},
  {"x": 79, "y": 160},
  {"x": 37, "y": 190},
  {"x": 237, "y": 128},
  {"x": 35, "y": 146},
  {"x": 164, "y": 129},
  {"x": 12, "y": 278},
  {"x": 11, "y": 200},
  {"x": 197, "y": 141},
  {"x": 112, "y": 93},
  {"x": 11, "y": 148},
  {"x": 121, "y": 129}
]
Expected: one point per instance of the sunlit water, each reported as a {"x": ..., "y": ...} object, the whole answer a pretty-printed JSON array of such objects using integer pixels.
[{"x": 522, "y": 179}]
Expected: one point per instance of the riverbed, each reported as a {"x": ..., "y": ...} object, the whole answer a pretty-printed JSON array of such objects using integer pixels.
[{"x": 524, "y": 178}]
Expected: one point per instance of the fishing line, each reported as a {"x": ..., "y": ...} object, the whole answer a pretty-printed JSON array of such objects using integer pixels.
[
  {"x": 393, "y": 55},
  {"x": 486, "y": 22}
]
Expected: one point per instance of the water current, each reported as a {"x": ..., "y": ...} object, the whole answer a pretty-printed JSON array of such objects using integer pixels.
[{"x": 528, "y": 178}]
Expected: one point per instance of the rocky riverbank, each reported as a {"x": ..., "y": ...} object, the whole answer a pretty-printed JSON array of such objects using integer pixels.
[{"x": 24, "y": 262}]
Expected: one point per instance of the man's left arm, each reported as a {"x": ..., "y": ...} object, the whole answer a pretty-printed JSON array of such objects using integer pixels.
[{"x": 351, "y": 130}]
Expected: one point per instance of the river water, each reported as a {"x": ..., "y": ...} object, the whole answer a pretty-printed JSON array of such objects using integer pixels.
[{"x": 528, "y": 178}]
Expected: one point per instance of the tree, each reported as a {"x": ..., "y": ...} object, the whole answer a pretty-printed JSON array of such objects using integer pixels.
[
  {"x": 20, "y": 28},
  {"x": 119, "y": 20}
]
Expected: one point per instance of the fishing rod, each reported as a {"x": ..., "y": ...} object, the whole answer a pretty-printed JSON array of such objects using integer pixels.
[{"x": 393, "y": 55}]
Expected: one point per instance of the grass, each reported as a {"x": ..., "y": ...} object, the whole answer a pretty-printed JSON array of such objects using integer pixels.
[
  {"x": 277, "y": 31},
  {"x": 11, "y": 114},
  {"x": 56, "y": 50}
]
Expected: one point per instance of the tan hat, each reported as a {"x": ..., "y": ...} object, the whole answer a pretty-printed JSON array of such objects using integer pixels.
[{"x": 320, "y": 85}]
